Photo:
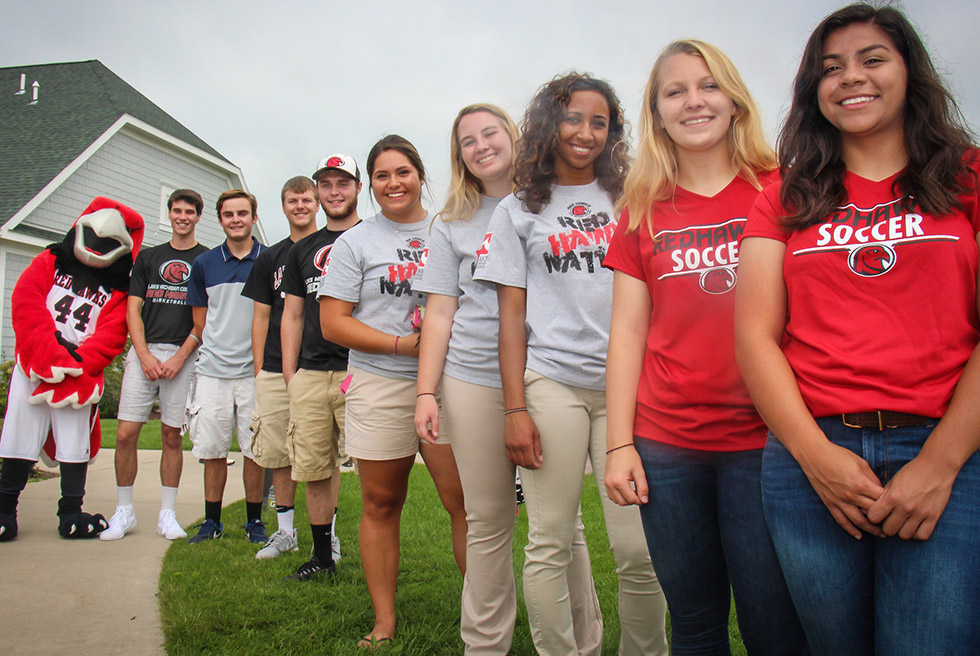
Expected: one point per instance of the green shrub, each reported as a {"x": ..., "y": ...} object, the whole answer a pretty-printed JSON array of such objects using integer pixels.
[
  {"x": 109, "y": 405},
  {"x": 5, "y": 370}
]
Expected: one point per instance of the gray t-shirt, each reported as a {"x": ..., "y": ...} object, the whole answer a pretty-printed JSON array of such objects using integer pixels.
[
  {"x": 372, "y": 266},
  {"x": 449, "y": 267},
  {"x": 557, "y": 257}
]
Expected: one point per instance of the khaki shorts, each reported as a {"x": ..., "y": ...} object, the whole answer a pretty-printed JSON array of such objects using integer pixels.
[
  {"x": 218, "y": 408},
  {"x": 269, "y": 421},
  {"x": 316, "y": 424},
  {"x": 381, "y": 417}
]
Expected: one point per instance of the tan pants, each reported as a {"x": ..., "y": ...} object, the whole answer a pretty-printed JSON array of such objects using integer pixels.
[
  {"x": 572, "y": 424},
  {"x": 475, "y": 419}
]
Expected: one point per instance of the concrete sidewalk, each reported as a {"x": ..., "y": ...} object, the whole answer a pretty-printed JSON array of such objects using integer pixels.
[{"x": 88, "y": 596}]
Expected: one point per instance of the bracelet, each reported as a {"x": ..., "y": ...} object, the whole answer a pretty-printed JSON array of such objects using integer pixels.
[
  {"x": 617, "y": 448},
  {"x": 513, "y": 410},
  {"x": 397, "y": 337},
  {"x": 195, "y": 338},
  {"x": 425, "y": 394}
]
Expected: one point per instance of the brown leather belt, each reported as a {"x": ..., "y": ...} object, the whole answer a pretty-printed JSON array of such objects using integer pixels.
[{"x": 882, "y": 419}]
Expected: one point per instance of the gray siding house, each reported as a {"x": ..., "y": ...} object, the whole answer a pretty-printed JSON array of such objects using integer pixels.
[{"x": 70, "y": 132}]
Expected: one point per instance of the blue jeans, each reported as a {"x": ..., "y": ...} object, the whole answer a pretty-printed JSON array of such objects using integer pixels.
[
  {"x": 707, "y": 537},
  {"x": 877, "y": 596}
]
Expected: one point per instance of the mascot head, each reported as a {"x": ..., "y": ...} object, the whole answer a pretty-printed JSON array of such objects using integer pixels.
[
  {"x": 106, "y": 231},
  {"x": 95, "y": 249}
]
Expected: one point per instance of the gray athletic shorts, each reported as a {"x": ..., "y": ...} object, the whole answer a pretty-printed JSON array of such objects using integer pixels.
[{"x": 138, "y": 394}]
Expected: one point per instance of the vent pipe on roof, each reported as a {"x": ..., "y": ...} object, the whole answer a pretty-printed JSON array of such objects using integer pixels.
[
  {"x": 36, "y": 86},
  {"x": 23, "y": 79}
]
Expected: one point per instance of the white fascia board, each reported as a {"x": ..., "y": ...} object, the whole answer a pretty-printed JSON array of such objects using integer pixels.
[
  {"x": 19, "y": 239},
  {"x": 59, "y": 179}
]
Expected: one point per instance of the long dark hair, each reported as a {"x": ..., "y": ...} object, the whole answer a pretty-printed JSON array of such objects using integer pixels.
[
  {"x": 534, "y": 168},
  {"x": 936, "y": 141}
]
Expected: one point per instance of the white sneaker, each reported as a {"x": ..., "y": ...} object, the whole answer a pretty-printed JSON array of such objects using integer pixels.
[
  {"x": 335, "y": 547},
  {"x": 168, "y": 526},
  {"x": 279, "y": 543},
  {"x": 122, "y": 522}
]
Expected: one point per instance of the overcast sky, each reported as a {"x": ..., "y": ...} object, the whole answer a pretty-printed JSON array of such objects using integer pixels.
[{"x": 275, "y": 86}]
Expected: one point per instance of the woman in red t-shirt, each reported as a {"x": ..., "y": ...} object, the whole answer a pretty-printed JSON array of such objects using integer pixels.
[
  {"x": 684, "y": 440},
  {"x": 857, "y": 333}
]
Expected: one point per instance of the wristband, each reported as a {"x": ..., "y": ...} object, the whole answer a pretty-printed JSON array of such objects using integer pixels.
[
  {"x": 425, "y": 394},
  {"x": 617, "y": 448},
  {"x": 195, "y": 338},
  {"x": 397, "y": 337},
  {"x": 513, "y": 410}
]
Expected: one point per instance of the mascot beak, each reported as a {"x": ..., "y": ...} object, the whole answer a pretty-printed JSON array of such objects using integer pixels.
[{"x": 101, "y": 238}]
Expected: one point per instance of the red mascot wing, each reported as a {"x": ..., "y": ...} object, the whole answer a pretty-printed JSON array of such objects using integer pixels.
[
  {"x": 97, "y": 352},
  {"x": 37, "y": 351}
]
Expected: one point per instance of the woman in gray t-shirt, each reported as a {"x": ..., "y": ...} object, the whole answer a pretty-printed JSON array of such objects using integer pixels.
[
  {"x": 459, "y": 357},
  {"x": 368, "y": 305},
  {"x": 544, "y": 251}
]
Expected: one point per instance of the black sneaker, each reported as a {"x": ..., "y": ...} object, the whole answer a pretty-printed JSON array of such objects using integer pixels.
[
  {"x": 312, "y": 570},
  {"x": 210, "y": 530}
]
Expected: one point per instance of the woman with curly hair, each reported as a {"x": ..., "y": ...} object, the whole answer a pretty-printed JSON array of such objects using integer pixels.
[
  {"x": 684, "y": 441},
  {"x": 857, "y": 333},
  {"x": 544, "y": 250},
  {"x": 367, "y": 304}
]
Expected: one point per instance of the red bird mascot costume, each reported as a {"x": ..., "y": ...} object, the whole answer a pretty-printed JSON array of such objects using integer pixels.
[{"x": 69, "y": 316}]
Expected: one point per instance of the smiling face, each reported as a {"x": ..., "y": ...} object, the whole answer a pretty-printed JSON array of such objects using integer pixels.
[
  {"x": 299, "y": 208},
  {"x": 236, "y": 219},
  {"x": 397, "y": 187},
  {"x": 183, "y": 217},
  {"x": 338, "y": 194},
  {"x": 582, "y": 136},
  {"x": 691, "y": 106},
  {"x": 485, "y": 147},
  {"x": 863, "y": 88}
]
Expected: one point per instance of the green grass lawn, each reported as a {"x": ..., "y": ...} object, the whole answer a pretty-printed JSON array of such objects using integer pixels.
[{"x": 216, "y": 598}]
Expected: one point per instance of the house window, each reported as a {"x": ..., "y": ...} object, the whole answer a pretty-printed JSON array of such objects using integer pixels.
[{"x": 165, "y": 191}]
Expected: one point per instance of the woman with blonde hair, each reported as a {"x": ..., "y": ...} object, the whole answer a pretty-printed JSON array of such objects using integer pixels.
[
  {"x": 544, "y": 251},
  {"x": 684, "y": 441},
  {"x": 459, "y": 348}
]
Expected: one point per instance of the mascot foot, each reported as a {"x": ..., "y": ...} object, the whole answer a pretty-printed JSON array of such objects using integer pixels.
[
  {"x": 81, "y": 525},
  {"x": 8, "y": 527}
]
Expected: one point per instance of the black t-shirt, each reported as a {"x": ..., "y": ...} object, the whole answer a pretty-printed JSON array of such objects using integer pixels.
[
  {"x": 305, "y": 264},
  {"x": 160, "y": 276},
  {"x": 264, "y": 285}
]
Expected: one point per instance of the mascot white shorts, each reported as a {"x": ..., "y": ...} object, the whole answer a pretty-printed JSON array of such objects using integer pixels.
[{"x": 26, "y": 425}]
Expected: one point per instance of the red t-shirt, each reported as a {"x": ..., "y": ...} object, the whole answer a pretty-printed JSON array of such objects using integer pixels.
[
  {"x": 691, "y": 394},
  {"x": 881, "y": 300}
]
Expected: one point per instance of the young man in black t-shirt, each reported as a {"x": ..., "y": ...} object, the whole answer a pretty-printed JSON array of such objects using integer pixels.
[
  {"x": 159, "y": 364},
  {"x": 272, "y": 417},
  {"x": 314, "y": 368}
]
